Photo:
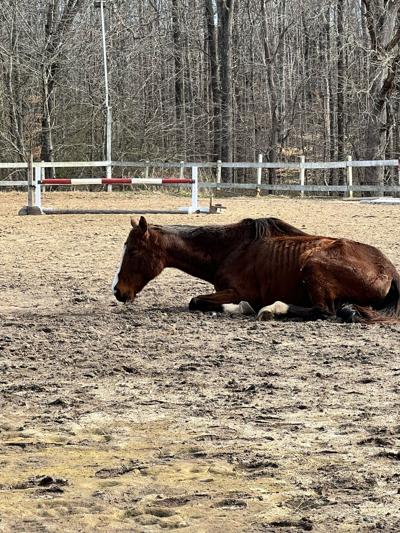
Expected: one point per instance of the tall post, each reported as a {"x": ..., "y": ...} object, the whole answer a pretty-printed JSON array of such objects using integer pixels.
[
  {"x": 100, "y": 4},
  {"x": 259, "y": 175},
  {"x": 195, "y": 189},
  {"x": 302, "y": 174},
  {"x": 146, "y": 170},
  {"x": 350, "y": 176},
  {"x": 219, "y": 172}
]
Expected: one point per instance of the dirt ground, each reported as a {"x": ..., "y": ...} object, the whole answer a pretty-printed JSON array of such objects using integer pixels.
[{"x": 147, "y": 417}]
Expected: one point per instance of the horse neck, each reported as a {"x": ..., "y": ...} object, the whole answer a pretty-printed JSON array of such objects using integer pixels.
[
  {"x": 198, "y": 255},
  {"x": 182, "y": 254}
]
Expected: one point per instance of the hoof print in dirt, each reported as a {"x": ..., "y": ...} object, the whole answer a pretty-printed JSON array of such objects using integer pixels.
[
  {"x": 45, "y": 484},
  {"x": 231, "y": 503},
  {"x": 58, "y": 402},
  {"x": 303, "y": 524},
  {"x": 130, "y": 369},
  {"x": 105, "y": 473},
  {"x": 161, "y": 512},
  {"x": 395, "y": 456}
]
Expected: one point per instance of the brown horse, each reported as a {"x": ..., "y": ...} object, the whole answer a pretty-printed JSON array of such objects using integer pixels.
[{"x": 265, "y": 266}]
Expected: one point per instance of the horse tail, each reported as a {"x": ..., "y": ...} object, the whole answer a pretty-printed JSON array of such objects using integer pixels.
[{"x": 389, "y": 311}]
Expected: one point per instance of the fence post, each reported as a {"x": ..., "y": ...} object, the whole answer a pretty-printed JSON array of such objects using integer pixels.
[
  {"x": 146, "y": 170},
  {"x": 350, "y": 176},
  {"x": 302, "y": 174},
  {"x": 181, "y": 169},
  {"x": 194, "y": 207},
  {"x": 219, "y": 171},
  {"x": 259, "y": 174}
]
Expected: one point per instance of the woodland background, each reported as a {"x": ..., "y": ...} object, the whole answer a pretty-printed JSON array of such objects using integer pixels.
[{"x": 201, "y": 80}]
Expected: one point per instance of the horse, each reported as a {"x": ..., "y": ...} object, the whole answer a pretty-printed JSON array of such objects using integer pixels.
[{"x": 265, "y": 267}]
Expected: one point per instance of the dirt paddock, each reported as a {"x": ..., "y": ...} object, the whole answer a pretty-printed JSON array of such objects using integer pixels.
[{"x": 147, "y": 417}]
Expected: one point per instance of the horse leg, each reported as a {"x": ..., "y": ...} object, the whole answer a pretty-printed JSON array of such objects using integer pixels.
[
  {"x": 319, "y": 295},
  {"x": 227, "y": 301},
  {"x": 282, "y": 310}
]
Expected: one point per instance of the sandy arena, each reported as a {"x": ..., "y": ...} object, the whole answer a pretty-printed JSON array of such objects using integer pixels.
[{"x": 147, "y": 417}]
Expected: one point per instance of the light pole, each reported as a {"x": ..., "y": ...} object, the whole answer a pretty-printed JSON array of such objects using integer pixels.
[{"x": 100, "y": 4}]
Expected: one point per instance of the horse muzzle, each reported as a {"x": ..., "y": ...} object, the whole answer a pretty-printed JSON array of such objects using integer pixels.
[{"x": 121, "y": 297}]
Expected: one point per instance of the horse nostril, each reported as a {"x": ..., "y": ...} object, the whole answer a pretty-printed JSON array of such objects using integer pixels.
[{"x": 119, "y": 296}]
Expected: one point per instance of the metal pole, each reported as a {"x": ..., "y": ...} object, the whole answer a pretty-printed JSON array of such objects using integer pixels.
[
  {"x": 219, "y": 171},
  {"x": 350, "y": 176},
  {"x": 259, "y": 174},
  {"x": 107, "y": 99}
]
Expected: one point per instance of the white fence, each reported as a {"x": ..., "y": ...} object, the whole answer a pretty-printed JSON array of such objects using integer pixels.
[{"x": 301, "y": 166}]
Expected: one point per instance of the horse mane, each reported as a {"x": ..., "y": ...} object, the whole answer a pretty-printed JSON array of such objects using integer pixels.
[
  {"x": 247, "y": 229},
  {"x": 272, "y": 227}
]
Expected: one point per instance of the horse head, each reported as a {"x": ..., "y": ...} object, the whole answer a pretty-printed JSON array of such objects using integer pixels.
[{"x": 141, "y": 262}]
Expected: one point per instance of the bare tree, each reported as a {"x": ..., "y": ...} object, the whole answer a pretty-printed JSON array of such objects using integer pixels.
[
  {"x": 59, "y": 21},
  {"x": 383, "y": 24},
  {"x": 225, "y": 9},
  {"x": 215, "y": 79}
]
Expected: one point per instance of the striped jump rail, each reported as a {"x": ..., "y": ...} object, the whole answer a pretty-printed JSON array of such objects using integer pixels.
[{"x": 115, "y": 181}]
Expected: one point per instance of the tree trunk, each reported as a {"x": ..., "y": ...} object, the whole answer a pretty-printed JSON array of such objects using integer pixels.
[
  {"x": 56, "y": 28},
  {"x": 225, "y": 20},
  {"x": 383, "y": 23},
  {"x": 13, "y": 91},
  {"x": 212, "y": 41},
  {"x": 179, "y": 80},
  {"x": 341, "y": 76}
]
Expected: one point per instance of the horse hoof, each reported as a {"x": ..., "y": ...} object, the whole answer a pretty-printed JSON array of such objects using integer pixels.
[
  {"x": 193, "y": 304},
  {"x": 347, "y": 313},
  {"x": 264, "y": 316}
]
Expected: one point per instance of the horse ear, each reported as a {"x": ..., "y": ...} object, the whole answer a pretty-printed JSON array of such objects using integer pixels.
[
  {"x": 133, "y": 223},
  {"x": 143, "y": 225}
]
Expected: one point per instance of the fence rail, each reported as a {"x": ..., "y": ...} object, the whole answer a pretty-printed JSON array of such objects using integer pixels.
[
  {"x": 301, "y": 166},
  {"x": 296, "y": 188},
  {"x": 13, "y": 183},
  {"x": 307, "y": 165}
]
